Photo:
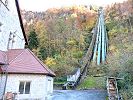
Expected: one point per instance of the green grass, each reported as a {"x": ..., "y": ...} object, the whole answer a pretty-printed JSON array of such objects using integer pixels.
[
  {"x": 93, "y": 83},
  {"x": 59, "y": 82}
]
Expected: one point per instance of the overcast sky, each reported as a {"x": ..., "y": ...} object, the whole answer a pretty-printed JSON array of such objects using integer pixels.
[{"x": 42, "y": 5}]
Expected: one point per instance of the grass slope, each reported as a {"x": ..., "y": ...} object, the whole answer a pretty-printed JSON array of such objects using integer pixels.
[{"x": 91, "y": 82}]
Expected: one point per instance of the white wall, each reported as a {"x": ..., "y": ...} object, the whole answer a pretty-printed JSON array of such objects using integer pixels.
[
  {"x": 49, "y": 84},
  {"x": 10, "y": 23},
  {"x": 39, "y": 85},
  {"x": 2, "y": 84}
]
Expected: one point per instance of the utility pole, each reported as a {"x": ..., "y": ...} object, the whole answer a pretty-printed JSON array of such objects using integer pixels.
[
  {"x": 13, "y": 40},
  {"x": 9, "y": 46},
  {"x": 5, "y": 73},
  {"x": 9, "y": 40}
]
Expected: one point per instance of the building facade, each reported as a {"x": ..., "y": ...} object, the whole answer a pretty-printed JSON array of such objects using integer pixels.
[
  {"x": 22, "y": 74},
  {"x": 27, "y": 77},
  {"x": 36, "y": 87},
  {"x": 12, "y": 34}
]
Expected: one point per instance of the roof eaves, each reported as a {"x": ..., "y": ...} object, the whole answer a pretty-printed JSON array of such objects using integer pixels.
[{"x": 47, "y": 74}]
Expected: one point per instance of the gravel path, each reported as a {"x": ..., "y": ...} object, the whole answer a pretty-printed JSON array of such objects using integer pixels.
[{"x": 78, "y": 95}]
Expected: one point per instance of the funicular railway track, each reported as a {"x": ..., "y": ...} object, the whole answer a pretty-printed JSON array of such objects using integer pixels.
[
  {"x": 97, "y": 52},
  {"x": 86, "y": 62},
  {"x": 98, "y": 45}
]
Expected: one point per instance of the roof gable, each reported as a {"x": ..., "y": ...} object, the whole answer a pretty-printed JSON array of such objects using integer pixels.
[{"x": 23, "y": 61}]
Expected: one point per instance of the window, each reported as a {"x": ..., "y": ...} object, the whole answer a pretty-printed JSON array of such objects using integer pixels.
[{"x": 24, "y": 87}]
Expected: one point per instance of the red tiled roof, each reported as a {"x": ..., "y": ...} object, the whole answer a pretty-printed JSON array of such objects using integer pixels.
[
  {"x": 12, "y": 54},
  {"x": 23, "y": 61}
]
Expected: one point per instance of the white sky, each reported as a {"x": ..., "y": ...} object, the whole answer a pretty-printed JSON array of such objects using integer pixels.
[{"x": 42, "y": 5}]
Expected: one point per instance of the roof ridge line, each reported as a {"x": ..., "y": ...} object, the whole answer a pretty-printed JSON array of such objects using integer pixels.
[
  {"x": 45, "y": 67},
  {"x": 16, "y": 56}
]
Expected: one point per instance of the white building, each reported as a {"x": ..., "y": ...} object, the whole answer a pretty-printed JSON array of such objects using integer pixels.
[
  {"x": 27, "y": 76},
  {"x": 21, "y": 71},
  {"x": 12, "y": 35},
  {"x": 72, "y": 77}
]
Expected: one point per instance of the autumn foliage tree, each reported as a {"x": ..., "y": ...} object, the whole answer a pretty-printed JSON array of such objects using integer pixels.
[{"x": 60, "y": 36}]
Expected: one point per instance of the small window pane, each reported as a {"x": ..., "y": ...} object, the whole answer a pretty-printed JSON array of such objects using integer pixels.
[
  {"x": 21, "y": 87},
  {"x": 27, "y": 88}
]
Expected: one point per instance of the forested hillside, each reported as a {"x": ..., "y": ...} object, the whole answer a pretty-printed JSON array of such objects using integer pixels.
[
  {"x": 119, "y": 21},
  {"x": 60, "y": 37}
]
